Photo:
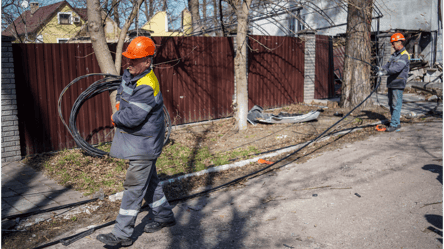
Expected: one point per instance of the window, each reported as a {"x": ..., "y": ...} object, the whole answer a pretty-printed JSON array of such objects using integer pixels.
[
  {"x": 64, "y": 17},
  {"x": 39, "y": 39},
  {"x": 62, "y": 40},
  {"x": 301, "y": 20}
]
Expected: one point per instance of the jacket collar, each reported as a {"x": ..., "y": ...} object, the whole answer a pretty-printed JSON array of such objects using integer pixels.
[
  {"x": 399, "y": 52},
  {"x": 129, "y": 79}
]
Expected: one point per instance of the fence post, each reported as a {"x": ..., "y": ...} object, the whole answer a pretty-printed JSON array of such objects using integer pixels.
[
  {"x": 309, "y": 64},
  {"x": 10, "y": 128}
]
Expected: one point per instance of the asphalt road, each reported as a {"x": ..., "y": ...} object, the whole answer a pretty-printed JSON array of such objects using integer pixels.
[{"x": 383, "y": 192}]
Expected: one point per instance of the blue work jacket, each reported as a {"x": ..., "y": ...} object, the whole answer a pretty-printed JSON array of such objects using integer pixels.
[
  {"x": 398, "y": 68},
  {"x": 140, "y": 118}
]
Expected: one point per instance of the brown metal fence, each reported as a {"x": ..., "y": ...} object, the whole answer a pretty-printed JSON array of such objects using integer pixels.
[
  {"x": 275, "y": 71},
  {"x": 196, "y": 76},
  {"x": 42, "y": 71},
  {"x": 324, "y": 79}
]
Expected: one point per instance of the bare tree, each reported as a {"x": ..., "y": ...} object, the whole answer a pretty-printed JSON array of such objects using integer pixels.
[
  {"x": 149, "y": 9},
  {"x": 115, "y": 7},
  {"x": 193, "y": 6},
  {"x": 100, "y": 46},
  {"x": 204, "y": 9},
  {"x": 356, "y": 77},
  {"x": 240, "y": 62}
]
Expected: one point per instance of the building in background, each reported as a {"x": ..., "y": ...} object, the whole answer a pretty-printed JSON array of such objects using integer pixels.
[
  {"x": 158, "y": 25},
  {"x": 56, "y": 23}
]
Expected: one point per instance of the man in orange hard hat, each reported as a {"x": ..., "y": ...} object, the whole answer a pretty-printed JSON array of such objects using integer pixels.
[
  {"x": 139, "y": 138},
  {"x": 397, "y": 69}
]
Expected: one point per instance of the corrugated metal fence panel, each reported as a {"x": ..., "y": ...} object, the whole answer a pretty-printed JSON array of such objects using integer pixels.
[
  {"x": 275, "y": 71},
  {"x": 339, "y": 58},
  {"x": 42, "y": 71},
  {"x": 196, "y": 76},
  {"x": 324, "y": 80}
]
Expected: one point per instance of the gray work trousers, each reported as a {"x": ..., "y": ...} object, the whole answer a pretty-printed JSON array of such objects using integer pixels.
[{"x": 141, "y": 182}]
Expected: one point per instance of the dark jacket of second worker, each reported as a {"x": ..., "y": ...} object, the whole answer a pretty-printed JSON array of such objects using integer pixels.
[
  {"x": 398, "y": 68},
  {"x": 140, "y": 118}
]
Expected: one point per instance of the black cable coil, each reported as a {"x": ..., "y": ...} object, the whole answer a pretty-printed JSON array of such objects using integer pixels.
[{"x": 109, "y": 83}]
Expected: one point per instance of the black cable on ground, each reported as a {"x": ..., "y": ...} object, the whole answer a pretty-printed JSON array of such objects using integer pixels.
[
  {"x": 10, "y": 217},
  {"x": 75, "y": 237},
  {"x": 280, "y": 160},
  {"x": 111, "y": 82}
]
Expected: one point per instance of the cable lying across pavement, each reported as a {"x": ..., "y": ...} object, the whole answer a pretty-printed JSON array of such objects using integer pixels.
[{"x": 99, "y": 87}]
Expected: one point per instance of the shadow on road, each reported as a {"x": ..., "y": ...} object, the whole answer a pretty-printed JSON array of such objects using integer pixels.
[{"x": 433, "y": 219}]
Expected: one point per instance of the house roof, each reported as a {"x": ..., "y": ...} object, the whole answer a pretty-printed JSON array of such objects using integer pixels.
[
  {"x": 39, "y": 18},
  {"x": 83, "y": 13}
]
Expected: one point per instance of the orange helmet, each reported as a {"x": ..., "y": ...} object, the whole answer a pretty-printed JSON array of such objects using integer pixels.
[
  {"x": 397, "y": 37},
  {"x": 140, "y": 47}
]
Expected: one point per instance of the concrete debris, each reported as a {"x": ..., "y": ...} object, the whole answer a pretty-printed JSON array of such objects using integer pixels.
[
  {"x": 116, "y": 196},
  {"x": 78, "y": 210},
  {"x": 411, "y": 115},
  {"x": 99, "y": 194},
  {"x": 256, "y": 115}
]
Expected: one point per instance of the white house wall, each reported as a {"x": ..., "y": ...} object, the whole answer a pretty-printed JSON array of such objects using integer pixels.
[
  {"x": 273, "y": 26},
  {"x": 397, "y": 14},
  {"x": 411, "y": 15},
  {"x": 337, "y": 16}
]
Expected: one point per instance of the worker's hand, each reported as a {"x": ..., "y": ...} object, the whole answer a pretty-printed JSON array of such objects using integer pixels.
[
  {"x": 118, "y": 105},
  {"x": 376, "y": 68},
  {"x": 112, "y": 121},
  {"x": 382, "y": 72}
]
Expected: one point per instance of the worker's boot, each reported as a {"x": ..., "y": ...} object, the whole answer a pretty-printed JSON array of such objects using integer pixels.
[
  {"x": 391, "y": 128},
  {"x": 156, "y": 226},
  {"x": 111, "y": 240}
]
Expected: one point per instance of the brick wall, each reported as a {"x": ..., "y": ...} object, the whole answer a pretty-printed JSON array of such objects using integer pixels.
[
  {"x": 309, "y": 65},
  {"x": 10, "y": 130}
]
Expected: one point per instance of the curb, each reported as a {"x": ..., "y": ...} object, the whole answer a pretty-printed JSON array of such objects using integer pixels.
[{"x": 119, "y": 195}]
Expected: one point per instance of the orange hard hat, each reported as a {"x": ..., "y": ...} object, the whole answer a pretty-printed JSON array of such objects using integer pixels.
[
  {"x": 397, "y": 37},
  {"x": 140, "y": 47}
]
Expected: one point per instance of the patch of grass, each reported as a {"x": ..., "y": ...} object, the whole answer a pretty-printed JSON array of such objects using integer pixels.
[
  {"x": 104, "y": 146},
  {"x": 177, "y": 158},
  {"x": 358, "y": 121}
]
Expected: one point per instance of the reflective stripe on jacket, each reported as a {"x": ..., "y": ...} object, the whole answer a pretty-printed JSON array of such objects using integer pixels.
[
  {"x": 140, "y": 118},
  {"x": 398, "y": 68}
]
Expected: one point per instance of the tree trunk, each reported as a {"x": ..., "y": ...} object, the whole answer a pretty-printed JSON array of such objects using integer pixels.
[
  {"x": 165, "y": 6},
  {"x": 149, "y": 9},
  {"x": 115, "y": 6},
  {"x": 204, "y": 9},
  {"x": 356, "y": 79},
  {"x": 215, "y": 10},
  {"x": 99, "y": 44},
  {"x": 240, "y": 65},
  {"x": 119, "y": 49},
  {"x": 193, "y": 5},
  {"x": 221, "y": 18}
]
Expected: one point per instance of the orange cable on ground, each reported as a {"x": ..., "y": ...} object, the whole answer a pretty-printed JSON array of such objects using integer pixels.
[
  {"x": 379, "y": 128},
  {"x": 264, "y": 161}
]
